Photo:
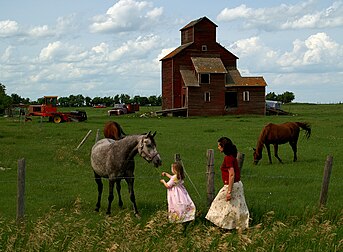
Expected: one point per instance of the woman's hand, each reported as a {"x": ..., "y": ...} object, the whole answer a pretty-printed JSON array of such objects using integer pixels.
[{"x": 228, "y": 195}]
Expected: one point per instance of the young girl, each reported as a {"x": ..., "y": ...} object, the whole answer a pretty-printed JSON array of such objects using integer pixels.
[
  {"x": 229, "y": 209},
  {"x": 180, "y": 205}
]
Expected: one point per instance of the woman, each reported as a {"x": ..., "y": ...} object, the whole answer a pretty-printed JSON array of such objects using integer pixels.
[{"x": 229, "y": 209}]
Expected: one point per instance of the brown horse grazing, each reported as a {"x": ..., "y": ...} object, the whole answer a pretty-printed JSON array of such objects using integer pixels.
[
  {"x": 113, "y": 130},
  {"x": 276, "y": 134}
]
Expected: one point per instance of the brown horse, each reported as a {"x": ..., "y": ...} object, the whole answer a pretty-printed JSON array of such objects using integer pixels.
[
  {"x": 113, "y": 130},
  {"x": 276, "y": 134}
]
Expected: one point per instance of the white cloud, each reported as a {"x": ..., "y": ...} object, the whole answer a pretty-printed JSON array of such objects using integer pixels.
[
  {"x": 8, "y": 28},
  {"x": 57, "y": 51},
  {"x": 7, "y": 54},
  {"x": 297, "y": 16},
  {"x": 40, "y": 31},
  {"x": 317, "y": 50},
  {"x": 126, "y": 15}
]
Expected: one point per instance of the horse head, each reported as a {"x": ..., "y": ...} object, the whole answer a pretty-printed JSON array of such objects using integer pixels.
[
  {"x": 147, "y": 149},
  {"x": 257, "y": 156}
]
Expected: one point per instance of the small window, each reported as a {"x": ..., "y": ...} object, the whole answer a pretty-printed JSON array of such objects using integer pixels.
[
  {"x": 207, "y": 97},
  {"x": 204, "y": 78},
  {"x": 204, "y": 48},
  {"x": 246, "y": 96}
]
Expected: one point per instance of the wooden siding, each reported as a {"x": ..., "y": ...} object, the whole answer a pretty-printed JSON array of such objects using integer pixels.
[
  {"x": 197, "y": 106},
  {"x": 167, "y": 84},
  {"x": 255, "y": 105}
]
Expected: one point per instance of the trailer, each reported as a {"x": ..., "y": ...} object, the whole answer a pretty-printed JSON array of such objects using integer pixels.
[{"x": 49, "y": 109}]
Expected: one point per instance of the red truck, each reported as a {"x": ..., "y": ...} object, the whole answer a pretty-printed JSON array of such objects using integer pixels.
[{"x": 49, "y": 109}]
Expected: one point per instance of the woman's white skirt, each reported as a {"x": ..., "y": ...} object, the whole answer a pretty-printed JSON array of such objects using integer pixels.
[{"x": 232, "y": 214}]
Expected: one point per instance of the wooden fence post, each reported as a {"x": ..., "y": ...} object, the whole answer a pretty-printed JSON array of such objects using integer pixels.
[
  {"x": 97, "y": 136},
  {"x": 240, "y": 160},
  {"x": 210, "y": 177},
  {"x": 21, "y": 189},
  {"x": 84, "y": 139},
  {"x": 326, "y": 180}
]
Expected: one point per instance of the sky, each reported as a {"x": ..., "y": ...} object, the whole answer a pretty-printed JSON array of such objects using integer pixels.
[{"x": 103, "y": 48}]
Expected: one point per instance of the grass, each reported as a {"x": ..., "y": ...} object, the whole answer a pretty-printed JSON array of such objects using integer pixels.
[{"x": 61, "y": 193}]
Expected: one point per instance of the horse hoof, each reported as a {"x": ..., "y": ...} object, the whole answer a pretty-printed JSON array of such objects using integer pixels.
[
  {"x": 108, "y": 213},
  {"x": 138, "y": 216},
  {"x": 96, "y": 209}
]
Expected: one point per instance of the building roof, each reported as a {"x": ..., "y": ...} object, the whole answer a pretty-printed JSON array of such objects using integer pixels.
[
  {"x": 194, "y": 22},
  {"x": 189, "y": 78},
  {"x": 176, "y": 51},
  {"x": 208, "y": 65},
  {"x": 246, "y": 81}
]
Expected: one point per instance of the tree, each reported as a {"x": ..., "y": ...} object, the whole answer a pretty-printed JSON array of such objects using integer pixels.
[
  {"x": 286, "y": 97},
  {"x": 5, "y": 100}
]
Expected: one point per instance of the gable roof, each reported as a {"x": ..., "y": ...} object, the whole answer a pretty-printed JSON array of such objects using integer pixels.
[
  {"x": 194, "y": 22},
  {"x": 246, "y": 81},
  {"x": 176, "y": 51},
  {"x": 208, "y": 65},
  {"x": 189, "y": 78}
]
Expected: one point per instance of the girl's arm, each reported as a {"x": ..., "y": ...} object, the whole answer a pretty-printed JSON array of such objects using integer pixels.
[
  {"x": 166, "y": 174},
  {"x": 164, "y": 183},
  {"x": 231, "y": 181}
]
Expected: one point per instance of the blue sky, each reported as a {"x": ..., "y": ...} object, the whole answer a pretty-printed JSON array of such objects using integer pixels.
[{"x": 103, "y": 48}]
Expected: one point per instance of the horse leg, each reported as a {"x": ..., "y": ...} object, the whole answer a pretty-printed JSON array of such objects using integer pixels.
[
  {"x": 276, "y": 152},
  {"x": 130, "y": 182},
  {"x": 100, "y": 188},
  {"x": 268, "y": 151},
  {"x": 110, "y": 195},
  {"x": 294, "y": 148},
  {"x": 118, "y": 187}
]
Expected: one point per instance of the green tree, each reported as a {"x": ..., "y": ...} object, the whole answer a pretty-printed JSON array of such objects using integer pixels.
[{"x": 5, "y": 100}]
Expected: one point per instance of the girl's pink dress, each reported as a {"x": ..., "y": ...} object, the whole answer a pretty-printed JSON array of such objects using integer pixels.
[{"x": 180, "y": 205}]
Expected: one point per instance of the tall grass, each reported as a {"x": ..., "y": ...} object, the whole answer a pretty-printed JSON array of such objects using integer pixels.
[{"x": 61, "y": 193}]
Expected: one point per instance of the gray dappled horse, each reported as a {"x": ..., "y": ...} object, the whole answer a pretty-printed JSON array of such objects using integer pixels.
[{"x": 109, "y": 159}]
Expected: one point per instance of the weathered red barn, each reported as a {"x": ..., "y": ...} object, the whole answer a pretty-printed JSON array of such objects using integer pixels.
[{"x": 200, "y": 77}]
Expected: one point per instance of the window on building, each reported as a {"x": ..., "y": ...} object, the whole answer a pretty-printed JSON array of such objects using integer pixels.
[
  {"x": 204, "y": 48},
  {"x": 231, "y": 100},
  {"x": 204, "y": 78},
  {"x": 246, "y": 96},
  {"x": 207, "y": 97}
]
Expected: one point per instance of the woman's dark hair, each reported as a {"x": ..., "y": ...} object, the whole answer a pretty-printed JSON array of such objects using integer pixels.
[
  {"x": 180, "y": 174},
  {"x": 228, "y": 147}
]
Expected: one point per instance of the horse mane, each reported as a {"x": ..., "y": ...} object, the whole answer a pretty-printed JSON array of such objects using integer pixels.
[{"x": 261, "y": 138}]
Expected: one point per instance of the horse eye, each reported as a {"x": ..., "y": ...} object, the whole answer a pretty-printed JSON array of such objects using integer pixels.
[{"x": 149, "y": 145}]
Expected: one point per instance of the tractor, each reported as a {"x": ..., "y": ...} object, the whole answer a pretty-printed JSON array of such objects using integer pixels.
[{"x": 49, "y": 109}]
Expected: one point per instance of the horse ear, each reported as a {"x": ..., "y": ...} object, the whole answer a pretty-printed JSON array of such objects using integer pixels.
[
  {"x": 153, "y": 135},
  {"x": 149, "y": 133}
]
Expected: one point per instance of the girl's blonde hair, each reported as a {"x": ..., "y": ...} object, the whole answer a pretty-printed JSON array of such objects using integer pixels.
[{"x": 178, "y": 168}]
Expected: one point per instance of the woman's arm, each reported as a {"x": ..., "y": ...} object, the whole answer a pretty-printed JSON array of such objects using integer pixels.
[{"x": 231, "y": 181}]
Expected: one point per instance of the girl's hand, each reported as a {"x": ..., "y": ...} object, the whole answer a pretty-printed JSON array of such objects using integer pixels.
[
  {"x": 163, "y": 174},
  {"x": 162, "y": 180}
]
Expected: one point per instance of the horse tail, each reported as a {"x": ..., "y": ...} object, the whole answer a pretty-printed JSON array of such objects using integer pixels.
[{"x": 305, "y": 126}]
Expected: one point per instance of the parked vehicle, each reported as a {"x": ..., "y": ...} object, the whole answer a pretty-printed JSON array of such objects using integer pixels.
[
  {"x": 121, "y": 109},
  {"x": 49, "y": 109}
]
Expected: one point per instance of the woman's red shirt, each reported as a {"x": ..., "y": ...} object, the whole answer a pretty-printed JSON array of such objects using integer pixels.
[{"x": 230, "y": 161}]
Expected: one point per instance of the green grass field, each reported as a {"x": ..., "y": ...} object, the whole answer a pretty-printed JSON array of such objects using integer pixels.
[{"x": 61, "y": 193}]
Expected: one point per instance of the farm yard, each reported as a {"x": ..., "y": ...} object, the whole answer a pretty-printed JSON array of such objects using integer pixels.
[{"x": 60, "y": 192}]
